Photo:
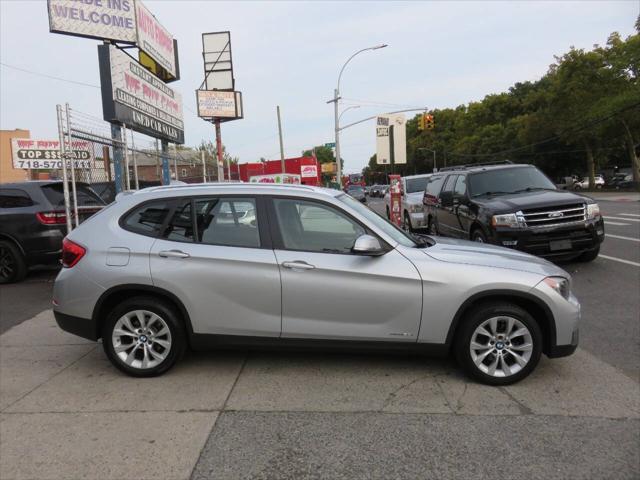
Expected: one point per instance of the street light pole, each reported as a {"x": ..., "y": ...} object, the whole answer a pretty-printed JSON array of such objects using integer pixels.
[
  {"x": 336, "y": 97},
  {"x": 435, "y": 167}
]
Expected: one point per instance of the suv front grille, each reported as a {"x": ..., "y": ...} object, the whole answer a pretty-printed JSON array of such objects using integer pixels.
[{"x": 550, "y": 217}]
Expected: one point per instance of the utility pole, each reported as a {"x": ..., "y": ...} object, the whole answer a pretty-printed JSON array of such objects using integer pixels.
[
  {"x": 219, "y": 149},
  {"x": 204, "y": 167},
  {"x": 280, "y": 135}
]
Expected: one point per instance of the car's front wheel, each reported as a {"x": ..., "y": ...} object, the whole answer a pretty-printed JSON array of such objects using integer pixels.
[
  {"x": 498, "y": 343},
  {"x": 143, "y": 336},
  {"x": 12, "y": 265}
]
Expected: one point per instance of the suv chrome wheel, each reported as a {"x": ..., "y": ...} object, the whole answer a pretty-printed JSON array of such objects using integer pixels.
[
  {"x": 141, "y": 339},
  {"x": 501, "y": 346}
]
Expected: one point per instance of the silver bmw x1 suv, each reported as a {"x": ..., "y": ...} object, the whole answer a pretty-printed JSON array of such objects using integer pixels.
[{"x": 170, "y": 268}]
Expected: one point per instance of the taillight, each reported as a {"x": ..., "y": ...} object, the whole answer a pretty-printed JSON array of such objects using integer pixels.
[
  {"x": 51, "y": 218},
  {"x": 71, "y": 253}
]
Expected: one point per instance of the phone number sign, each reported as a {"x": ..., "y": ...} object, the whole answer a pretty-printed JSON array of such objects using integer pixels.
[{"x": 45, "y": 154}]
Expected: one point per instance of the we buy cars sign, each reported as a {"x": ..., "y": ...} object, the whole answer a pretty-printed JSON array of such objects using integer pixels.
[{"x": 45, "y": 154}]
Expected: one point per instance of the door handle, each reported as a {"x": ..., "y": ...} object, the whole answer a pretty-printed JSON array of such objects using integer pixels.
[
  {"x": 173, "y": 254},
  {"x": 298, "y": 265}
]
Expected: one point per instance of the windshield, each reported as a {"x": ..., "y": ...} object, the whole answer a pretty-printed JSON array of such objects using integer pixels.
[
  {"x": 508, "y": 180},
  {"x": 378, "y": 221},
  {"x": 354, "y": 188},
  {"x": 416, "y": 184}
]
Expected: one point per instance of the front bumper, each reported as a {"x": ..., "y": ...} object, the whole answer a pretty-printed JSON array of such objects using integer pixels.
[
  {"x": 565, "y": 313},
  {"x": 576, "y": 239}
]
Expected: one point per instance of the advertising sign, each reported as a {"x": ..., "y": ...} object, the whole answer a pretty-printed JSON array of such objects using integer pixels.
[
  {"x": 216, "y": 104},
  {"x": 135, "y": 97},
  {"x": 307, "y": 171},
  {"x": 154, "y": 39},
  {"x": 388, "y": 126},
  {"x": 383, "y": 152},
  {"x": 45, "y": 154},
  {"x": 329, "y": 167},
  {"x": 287, "y": 178},
  {"x": 218, "y": 65},
  {"x": 101, "y": 19}
]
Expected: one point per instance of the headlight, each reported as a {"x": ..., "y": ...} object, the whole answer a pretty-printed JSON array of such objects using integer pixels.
[
  {"x": 560, "y": 285},
  {"x": 507, "y": 220},
  {"x": 414, "y": 207},
  {"x": 593, "y": 211}
]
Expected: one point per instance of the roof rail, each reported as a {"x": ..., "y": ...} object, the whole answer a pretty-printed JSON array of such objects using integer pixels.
[
  {"x": 230, "y": 184},
  {"x": 472, "y": 165}
]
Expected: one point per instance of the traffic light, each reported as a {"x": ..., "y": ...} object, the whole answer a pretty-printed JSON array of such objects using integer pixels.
[{"x": 429, "y": 122}]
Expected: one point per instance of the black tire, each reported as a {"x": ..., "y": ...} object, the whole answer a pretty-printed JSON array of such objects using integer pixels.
[
  {"x": 406, "y": 222},
  {"x": 13, "y": 267},
  {"x": 477, "y": 316},
  {"x": 167, "y": 313},
  {"x": 388, "y": 213},
  {"x": 432, "y": 227},
  {"x": 477, "y": 235},
  {"x": 589, "y": 255}
]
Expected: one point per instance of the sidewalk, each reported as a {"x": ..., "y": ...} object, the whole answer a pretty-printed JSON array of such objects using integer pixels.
[{"x": 66, "y": 413}]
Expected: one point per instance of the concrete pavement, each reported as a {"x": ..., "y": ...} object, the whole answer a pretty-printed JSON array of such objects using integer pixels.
[{"x": 66, "y": 413}]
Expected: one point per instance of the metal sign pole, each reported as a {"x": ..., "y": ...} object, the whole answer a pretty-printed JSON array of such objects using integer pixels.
[
  {"x": 71, "y": 155},
  {"x": 204, "y": 167},
  {"x": 219, "y": 148},
  {"x": 123, "y": 139},
  {"x": 281, "y": 144},
  {"x": 65, "y": 179},
  {"x": 135, "y": 161},
  {"x": 166, "y": 174}
]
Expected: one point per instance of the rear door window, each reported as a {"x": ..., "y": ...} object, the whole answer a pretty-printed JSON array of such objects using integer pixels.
[
  {"x": 448, "y": 184},
  {"x": 14, "y": 198},
  {"x": 434, "y": 185},
  {"x": 227, "y": 221},
  {"x": 461, "y": 186}
]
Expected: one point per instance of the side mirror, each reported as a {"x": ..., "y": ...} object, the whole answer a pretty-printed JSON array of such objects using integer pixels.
[{"x": 367, "y": 245}]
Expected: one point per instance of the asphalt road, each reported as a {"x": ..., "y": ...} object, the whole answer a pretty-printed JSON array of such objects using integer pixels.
[{"x": 608, "y": 288}]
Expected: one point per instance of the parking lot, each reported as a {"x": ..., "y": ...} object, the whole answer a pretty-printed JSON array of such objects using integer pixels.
[{"x": 66, "y": 413}]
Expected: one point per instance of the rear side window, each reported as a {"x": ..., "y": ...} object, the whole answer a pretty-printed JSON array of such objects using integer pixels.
[
  {"x": 461, "y": 186},
  {"x": 448, "y": 184},
  {"x": 434, "y": 186},
  {"x": 148, "y": 218},
  {"x": 86, "y": 197},
  {"x": 14, "y": 198},
  {"x": 227, "y": 221}
]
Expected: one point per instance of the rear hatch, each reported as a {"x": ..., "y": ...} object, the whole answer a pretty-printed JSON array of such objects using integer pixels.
[{"x": 88, "y": 201}]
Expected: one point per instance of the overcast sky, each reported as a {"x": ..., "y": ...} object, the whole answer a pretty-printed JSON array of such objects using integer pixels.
[{"x": 440, "y": 54}]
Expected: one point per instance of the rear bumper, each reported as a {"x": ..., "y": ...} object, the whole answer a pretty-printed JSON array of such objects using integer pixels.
[
  {"x": 418, "y": 220},
  {"x": 581, "y": 238},
  {"x": 82, "y": 327}
]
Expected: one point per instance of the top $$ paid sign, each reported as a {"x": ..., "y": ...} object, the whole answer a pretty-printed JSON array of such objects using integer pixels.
[{"x": 46, "y": 153}]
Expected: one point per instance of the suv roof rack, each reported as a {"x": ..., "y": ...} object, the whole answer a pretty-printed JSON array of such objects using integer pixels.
[
  {"x": 233, "y": 184},
  {"x": 473, "y": 165}
]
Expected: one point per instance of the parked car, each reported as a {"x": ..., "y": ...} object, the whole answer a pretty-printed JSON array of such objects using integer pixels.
[
  {"x": 584, "y": 183},
  {"x": 622, "y": 180},
  {"x": 567, "y": 183},
  {"x": 159, "y": 271},
  {"x": 357, "y": 192},
  {"x": 367, "y": 190},
  {"x": 33, "y": 224},
  {"x": 412, "y": 192},
  {"x": 378, "y": 191},
  {"x": 515, "y": 206}
]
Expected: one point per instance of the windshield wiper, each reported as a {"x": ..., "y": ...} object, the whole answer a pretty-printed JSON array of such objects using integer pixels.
[
  {"x": 491, "y": 193},
  {"x": 532, "y": 189},
  {"x": 423, "y": 241}
]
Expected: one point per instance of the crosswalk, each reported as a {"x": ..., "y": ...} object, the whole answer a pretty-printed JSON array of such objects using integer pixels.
[{"x": 630, "y": 243}]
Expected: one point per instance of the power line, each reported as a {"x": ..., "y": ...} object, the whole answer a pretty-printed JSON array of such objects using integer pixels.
[{"x": 48, "y": 76}]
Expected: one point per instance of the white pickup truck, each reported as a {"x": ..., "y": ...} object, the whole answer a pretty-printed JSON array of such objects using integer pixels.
[{"x": 412, "y": 192}]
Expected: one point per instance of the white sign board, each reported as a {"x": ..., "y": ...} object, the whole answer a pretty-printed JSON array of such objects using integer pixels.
[
  {"x": 287, "y": 178},
  {"x": 218, "y": 65},
  {"x": 383, "y": 152},
  {"x": 309, "y": 171},
  {"x": 45, "y": 154},
  {"x": 154, "y": 39},
  {"x": 101, "y": 19},
  {"x": 218, "y": 104},
  {"x": 383, "y": 146},
  {"x": 138, "y": 98}
]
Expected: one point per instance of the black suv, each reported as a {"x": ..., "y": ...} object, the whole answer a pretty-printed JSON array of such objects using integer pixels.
[
  {"x": 33, "y": 224},
  {"x": 514, "y": 206}
]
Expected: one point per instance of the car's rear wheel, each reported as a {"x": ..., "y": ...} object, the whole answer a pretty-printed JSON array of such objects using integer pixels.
[
  {"x": 143, "y": 336},
  {"x": 13, "y": 267},
  {"x": 498, "y": 343},
  {"x": 388, "y": 213},
  {"x": 432, "y": 227}
]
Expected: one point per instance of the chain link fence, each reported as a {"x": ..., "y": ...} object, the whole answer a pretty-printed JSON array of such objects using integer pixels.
[{"x": 141, "y": 157}]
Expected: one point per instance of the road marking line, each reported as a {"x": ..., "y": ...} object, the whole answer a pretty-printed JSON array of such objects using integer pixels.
[
  {"x": 623, "y": 238},
  {"x": 617, "y": 224},
  {"x": 622, "y": 218},
  {"x": 629, "y": 214},
  {"x": 629, "y": 262}
]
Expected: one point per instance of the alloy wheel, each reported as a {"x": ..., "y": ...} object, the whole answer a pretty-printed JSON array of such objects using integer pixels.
[
  {"x": 7, "y": 263},
  {"x": 141, "y": 339},
  {"x": 501, "y": 346}
]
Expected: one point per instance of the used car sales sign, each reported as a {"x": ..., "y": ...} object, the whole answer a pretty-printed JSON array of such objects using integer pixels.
[
  {"x": 45, "y": 154},
  {"x": 133, "y": 96}
]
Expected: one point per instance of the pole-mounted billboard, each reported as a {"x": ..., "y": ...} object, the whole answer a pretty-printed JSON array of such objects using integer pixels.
[{"x": 137, "y": 98}]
